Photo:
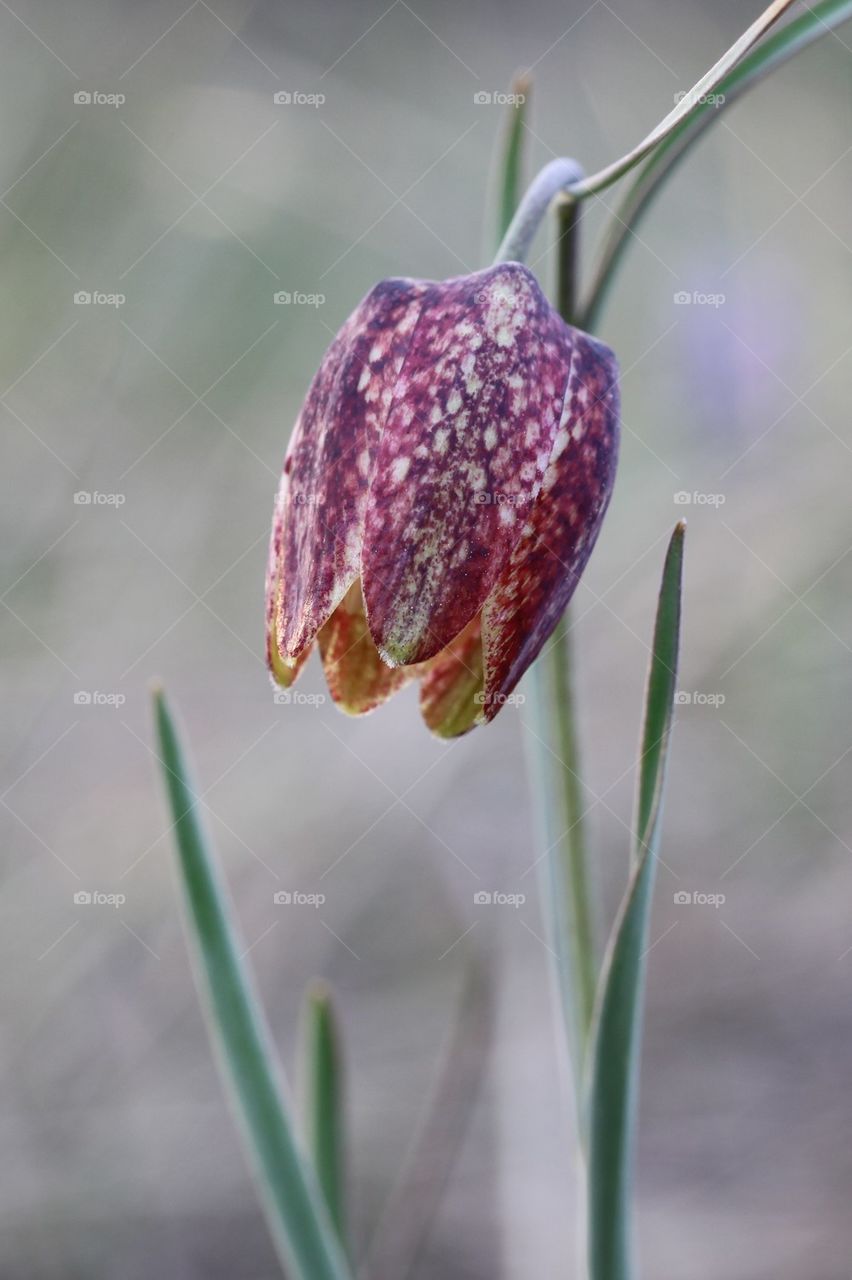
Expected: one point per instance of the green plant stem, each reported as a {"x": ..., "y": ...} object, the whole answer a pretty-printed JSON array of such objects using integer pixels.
[
  {"x": 567, "y": 259},
  {"x": 552, "y": 743},
  {"x": 572, "y": 795},
  {"x": 561, "y": 656},
  {"x": 557, "y": 766},
  {"x": 555, "y": 776}
]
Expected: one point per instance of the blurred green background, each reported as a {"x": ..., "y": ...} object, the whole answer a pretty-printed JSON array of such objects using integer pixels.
[{"x": 196, "y": 199}]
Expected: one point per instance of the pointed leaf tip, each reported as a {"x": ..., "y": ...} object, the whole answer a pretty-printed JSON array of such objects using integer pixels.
[
  {"x": 512, "y": 153},
  {"x": 659, "y": 695},
  {"x": 323, "y": 1119}
]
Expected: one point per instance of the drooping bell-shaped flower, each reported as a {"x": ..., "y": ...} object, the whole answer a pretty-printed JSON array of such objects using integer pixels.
[{"x": 442, "y": 492}]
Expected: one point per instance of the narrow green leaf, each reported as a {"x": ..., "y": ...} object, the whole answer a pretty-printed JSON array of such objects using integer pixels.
[
  {"x": 295, "y": 1211},
  {"x": 511, "y": 158},
  {"x": 322, "y": 1100},
  {"x": 661, "y": 164},
  {"x": 616, "y": 1041},
  {"x": 659, "y": 698}
]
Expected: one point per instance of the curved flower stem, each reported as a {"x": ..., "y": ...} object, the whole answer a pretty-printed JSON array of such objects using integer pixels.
[
  {"x": 553, "y": 740},
  {"x": 552, "y": 744},
  {"x": 812, "y": 25},
  {"x": 574, "y": 859},
  {"x": 566, "y": 177},
  {"x": 559, "y": 175},
  {"x": 689, "y": 103}
]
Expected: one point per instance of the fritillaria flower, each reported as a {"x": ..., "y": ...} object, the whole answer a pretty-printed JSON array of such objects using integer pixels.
[{"x": 443, "y": 490}]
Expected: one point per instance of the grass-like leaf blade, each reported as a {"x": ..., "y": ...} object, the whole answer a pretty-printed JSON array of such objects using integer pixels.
[
  {"x": 300, "y": 1224},
  {"x": 510, "y": 167},
  {"x": 616, "y": 1039},
  {"x": 322, "y": 1100}
]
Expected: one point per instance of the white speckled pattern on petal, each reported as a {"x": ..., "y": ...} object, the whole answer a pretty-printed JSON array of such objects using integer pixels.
[
  {"x": 316, "y": 538},
  {"x": 467, "y": 442},
  {"x": 546, "y": 563}
]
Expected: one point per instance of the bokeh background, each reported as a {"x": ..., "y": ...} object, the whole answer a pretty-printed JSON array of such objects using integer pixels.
[{"x": 197, "y": 198}]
